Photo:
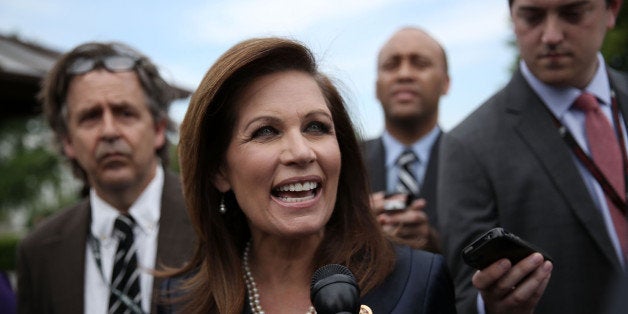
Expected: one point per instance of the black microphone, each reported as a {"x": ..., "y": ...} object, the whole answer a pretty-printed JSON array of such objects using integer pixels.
[{"x": 334, "y": 291}]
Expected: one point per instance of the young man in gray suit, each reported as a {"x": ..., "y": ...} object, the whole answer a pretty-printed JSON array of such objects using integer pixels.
[
  {"x": 108, "y": 107},
  {"x": 412, "y": 75},
  {"x": 526, "y": 159}
]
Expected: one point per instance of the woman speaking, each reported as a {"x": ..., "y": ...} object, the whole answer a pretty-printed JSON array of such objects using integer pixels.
[{"x": 275, "y": 188}]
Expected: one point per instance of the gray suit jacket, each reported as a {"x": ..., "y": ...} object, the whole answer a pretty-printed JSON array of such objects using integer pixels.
[
  {"x": 51, "y": 259},
  {"x": 507, "y": 166},
  {"x": 375, "y": 159}
]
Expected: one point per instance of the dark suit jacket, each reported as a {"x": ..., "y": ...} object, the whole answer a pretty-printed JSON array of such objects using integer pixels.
[
  {"x": 51, "y": 259},
  {"x": 420, "y": 283},
  {"x": 375, "y": 159},
  {"x": 506, "y": 165}
]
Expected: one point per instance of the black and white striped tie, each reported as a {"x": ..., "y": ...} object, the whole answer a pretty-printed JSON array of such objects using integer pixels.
[
  {"x": 125, "y": 294},
  {"x": 407, "y": 184}
]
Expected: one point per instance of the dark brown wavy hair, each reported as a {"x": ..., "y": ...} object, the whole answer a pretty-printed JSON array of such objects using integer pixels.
[{"x": 353, "y": 238}]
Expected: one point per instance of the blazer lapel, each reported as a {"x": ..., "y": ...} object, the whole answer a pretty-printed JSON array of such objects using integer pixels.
[
  {"x": 619, "y": 83},
  {"x": 375, "y": 161},
  {"x": 386, "y": 296},
  {"x": 175, "y": 231},
  {"x": 174, "y": 225},
  {"x": 67, "y": 262},
  {"x": 428, "y": 188},
  {"x": 534, "y": 122}
]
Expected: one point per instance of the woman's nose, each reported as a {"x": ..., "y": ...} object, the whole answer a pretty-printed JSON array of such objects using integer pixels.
[{"x": 298, "y": 150}]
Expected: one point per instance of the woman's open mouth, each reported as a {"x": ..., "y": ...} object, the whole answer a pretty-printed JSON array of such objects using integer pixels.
[{"x": 296, "y": 192}]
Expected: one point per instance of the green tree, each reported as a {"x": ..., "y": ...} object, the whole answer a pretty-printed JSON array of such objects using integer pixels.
[
  {"x": 615, "y": 48},
  {"x": 35, "y": 179}
]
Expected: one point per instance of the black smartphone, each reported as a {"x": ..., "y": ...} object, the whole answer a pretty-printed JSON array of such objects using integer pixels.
[{"x": 496, "y": 244}]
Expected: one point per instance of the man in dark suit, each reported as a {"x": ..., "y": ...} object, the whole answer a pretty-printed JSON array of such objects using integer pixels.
[
  {"x": 108, "y": 107},
  {"x": 412, "y": 75},
  {"x": 520, "y": 162}
]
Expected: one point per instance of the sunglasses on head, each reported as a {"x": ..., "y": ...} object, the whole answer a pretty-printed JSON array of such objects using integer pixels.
[{"x": 113, "y": 63}]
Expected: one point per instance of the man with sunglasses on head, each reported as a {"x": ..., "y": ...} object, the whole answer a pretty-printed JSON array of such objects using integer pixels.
[{"x": 108, "y": 107}]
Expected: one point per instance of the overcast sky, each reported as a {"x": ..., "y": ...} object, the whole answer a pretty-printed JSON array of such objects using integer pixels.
[{"x": 185, "y": 37}]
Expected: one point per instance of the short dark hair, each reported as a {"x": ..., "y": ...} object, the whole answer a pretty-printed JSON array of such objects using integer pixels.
[{"x": 159, "y": 94}]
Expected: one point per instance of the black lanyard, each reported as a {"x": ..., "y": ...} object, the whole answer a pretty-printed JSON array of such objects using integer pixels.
[
  {"x": 595, "y": 171},
  {"x": 94, "y": 244}
]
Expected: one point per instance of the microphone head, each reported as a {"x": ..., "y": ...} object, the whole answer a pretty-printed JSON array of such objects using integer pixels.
[{"x": 334, "y": 290}]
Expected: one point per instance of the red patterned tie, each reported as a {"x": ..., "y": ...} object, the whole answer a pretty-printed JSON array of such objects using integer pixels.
[{"x": 607, "y": 155}]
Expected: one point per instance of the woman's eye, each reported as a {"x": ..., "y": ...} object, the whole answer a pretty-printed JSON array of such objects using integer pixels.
[
  {"x": 263, "y": 132},
  {"x": 317, "y": 127}
]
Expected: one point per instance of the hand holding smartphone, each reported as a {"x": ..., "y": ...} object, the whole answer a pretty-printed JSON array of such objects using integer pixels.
[
  {"x": 496, "y": 244},
  {"x": 397, "y": 202}
]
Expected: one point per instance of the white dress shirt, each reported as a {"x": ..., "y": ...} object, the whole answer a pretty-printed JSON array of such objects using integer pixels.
[{"x": 146, "y": 211}]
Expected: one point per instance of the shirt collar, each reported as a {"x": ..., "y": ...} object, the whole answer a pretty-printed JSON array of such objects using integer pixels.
[
  {"x": 421, "y": 148},
  {"x": 146, "y": 209},
  {"x": 560, "y": 99}
]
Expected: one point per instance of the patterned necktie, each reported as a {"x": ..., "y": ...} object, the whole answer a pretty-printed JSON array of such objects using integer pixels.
[
  {"x": 607, "y": 155},
  {"x": 125, "y": 296},
  {"x": 408, "y": 183}
]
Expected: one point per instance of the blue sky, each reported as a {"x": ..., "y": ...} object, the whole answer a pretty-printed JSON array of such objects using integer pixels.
[{"x": 185, "y": 37}]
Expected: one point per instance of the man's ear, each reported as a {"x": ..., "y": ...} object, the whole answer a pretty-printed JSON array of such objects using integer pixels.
[
  {"x": 221, "y": 182},
  {"x": 160, "y": 134},
  {"x": 614, "y": 6},
  {"x": 445, "y": 87},
  {"x": 68, "y": 149}
]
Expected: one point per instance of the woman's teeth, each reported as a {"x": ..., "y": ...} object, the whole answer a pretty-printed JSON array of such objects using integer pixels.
[
  {"x": 298, "y": 187},
  {"x": 297, "y": 192},
  {"x": 296, "y": 199}
]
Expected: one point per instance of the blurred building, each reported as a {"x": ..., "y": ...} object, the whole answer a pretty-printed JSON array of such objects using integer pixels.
[{"x": 22, "y": 65}]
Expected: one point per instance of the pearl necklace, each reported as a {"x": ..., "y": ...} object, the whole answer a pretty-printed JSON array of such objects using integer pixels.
[{"x": 251, "y": 287}]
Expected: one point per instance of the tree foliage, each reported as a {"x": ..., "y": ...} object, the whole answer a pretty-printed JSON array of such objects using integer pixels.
[
  {"x": 34, "y": 177},
  {"x": 615, "y": 48}
]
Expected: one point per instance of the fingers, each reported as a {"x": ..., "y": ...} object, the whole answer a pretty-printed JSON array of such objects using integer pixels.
[
  {"x": 487, "y": 277},
  {"x": 411, "y": 223},
  {"x": 506, "y": 287},
  {"x": 520, "y": 271},
  {"x": 405, "y": 217},
  {"x": 533, "y": 287},
  {"x": 377, "y": 202}
]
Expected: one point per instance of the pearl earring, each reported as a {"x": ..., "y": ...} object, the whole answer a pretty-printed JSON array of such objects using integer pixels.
[{"x": 222, "y": 208}]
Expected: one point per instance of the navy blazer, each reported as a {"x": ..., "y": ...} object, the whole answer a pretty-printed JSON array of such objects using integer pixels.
[{"x": 419, "y": 283}]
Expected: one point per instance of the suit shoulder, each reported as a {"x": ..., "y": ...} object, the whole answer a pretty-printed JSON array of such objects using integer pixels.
[
  {"x": 56, "y": 224},
  {"x": 619, "y": 81},
  {"x": 428, "y": 280},
  {"x": 618, "y": 72},
  {"x": 369, "y": 144},
  {"x": 419, "y": 259},
  {"x": 371, "y": 147},
  {"x": 487, "y": 119}
]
